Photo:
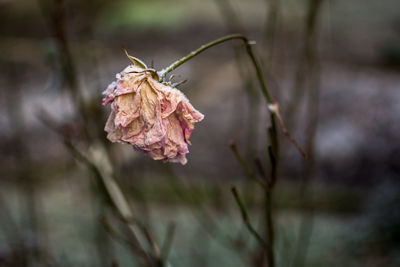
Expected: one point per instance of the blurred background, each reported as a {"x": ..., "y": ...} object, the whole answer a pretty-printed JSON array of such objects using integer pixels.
[{"x": 332, "y": 65}]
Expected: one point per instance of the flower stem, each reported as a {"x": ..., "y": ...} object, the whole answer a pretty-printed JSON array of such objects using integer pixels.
[
  {"x": 273, "y": 134},
  {"x": 162, "y": 73}
]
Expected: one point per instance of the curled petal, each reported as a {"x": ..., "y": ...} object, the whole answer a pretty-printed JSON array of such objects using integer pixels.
[{"x": 154, "y": 118}]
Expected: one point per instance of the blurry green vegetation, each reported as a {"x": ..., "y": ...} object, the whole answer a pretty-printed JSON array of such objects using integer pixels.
[
  {"x": 156, "y": 15},
  {"x": 144, "y": 15}
]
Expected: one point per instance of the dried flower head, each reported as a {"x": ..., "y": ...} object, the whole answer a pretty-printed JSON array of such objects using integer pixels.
[{"x": 153, "y": 117}]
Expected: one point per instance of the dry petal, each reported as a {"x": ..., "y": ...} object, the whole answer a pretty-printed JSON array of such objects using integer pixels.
[{"x": 151, "y": 116}]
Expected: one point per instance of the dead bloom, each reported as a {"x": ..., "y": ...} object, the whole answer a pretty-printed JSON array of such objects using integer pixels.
[{"x": 153, "y": 117}]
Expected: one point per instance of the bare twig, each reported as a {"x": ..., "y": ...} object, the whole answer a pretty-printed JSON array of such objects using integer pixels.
[
  {"x": 210, "y": 226},
  {"x": 260, "y": 168},
  {"x": 249, "y": 172},
  {"x": 246, "y": 221},
  {"x": 169, "y": 237},
  {"x": 270, "y": 29},
  {"x": 121, "y": 238},
  {"x": 274, "y": 107},
  {"x": 101, "y": 168}
]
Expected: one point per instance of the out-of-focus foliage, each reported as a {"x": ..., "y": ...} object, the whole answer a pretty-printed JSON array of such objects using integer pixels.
[{"x": 50, "y": 205}]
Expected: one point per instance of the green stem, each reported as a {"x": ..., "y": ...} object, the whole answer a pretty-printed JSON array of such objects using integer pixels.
[
  {"x": 274, "y": 151},
  {"x": 162, "y": 73},
  {"x": 250, "y": 173},
  {"x": 269, "y": 227},
  {"x": 246, "y": 221}
]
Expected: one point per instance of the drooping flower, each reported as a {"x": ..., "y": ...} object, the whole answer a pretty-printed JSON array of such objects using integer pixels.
[{"x": 153, "y": 117}]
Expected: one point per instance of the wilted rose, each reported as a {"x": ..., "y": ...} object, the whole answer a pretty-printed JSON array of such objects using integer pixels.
[{"x": 153, "y": 117}]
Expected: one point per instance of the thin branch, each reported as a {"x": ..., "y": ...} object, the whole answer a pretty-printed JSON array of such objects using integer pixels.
[
  {"x": 245, "y": 166},
  {"x": 113, "y": 194},
  {"x": 270, "y": 29},
  {"x": 156, "y": 251},
  {"x": 210, "y": 226},
  {"x": 260, "y": 168},
  {"x": 311, "y": 70},
  {"x": 120, "y": 238},
  {"x": 169, "y": 237},
  {"x": 246, "y": 221},
  {"x": 274, "y": 107}
]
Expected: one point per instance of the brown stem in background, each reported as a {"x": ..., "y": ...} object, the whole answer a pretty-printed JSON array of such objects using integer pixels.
[
  {"x": 229, "y": 15},
  {"x": 53, "y": 12},
  {"x": 25, "y": 176},
  {"x": 274, "y": 107},
  {"x": 54, "y": 15},
  {"x": 308, "y": 76},
  {"x": 267, "y": 185},
  {"x": 169, "y": 238},
  {"x": 97, "y": 161},
  {"x": 270, "y": 29},
  {"x": 114, "y": 196},
  {"x": 308, "y": 63},
  {"x": 246, "y": 220},
  {"x": 249, "y": 172},
  {"x": 205, "y": 218}
]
